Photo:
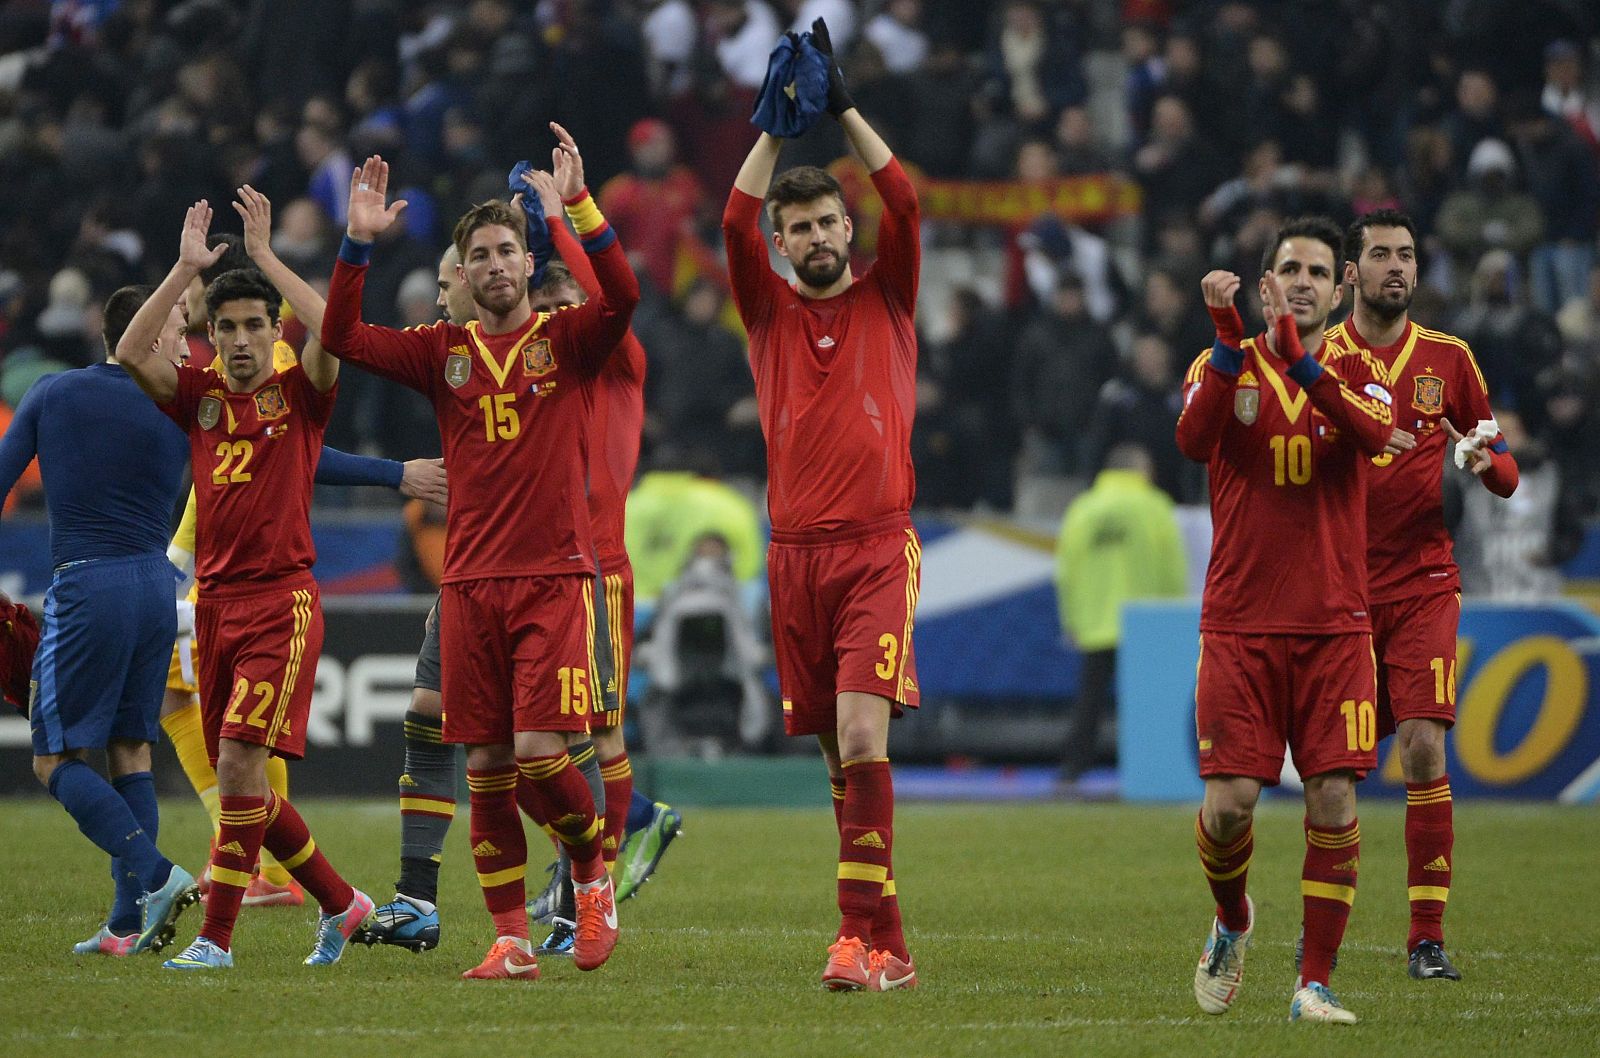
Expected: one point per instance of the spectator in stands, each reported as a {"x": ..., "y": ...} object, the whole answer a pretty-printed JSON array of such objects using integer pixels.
[
  {"x": 1567, "y": 95},
  {"x": 1489, "y": 213},
  {"x": 1147, "y": 73},
  {"x": 1063, "y": 356},
  {"x": 1079, "y": 150},
  {"x": 1171, "y": 310},
  {"x": 64, "y": 325},
  {"x": 654, "y": 205},
  {"x": 698, "y": 373},
  {"x": 1474, "y": 118},
  {"x": 1119, "y": 541},
  {"x": 1033, "y": 67},
  {"x": 1512, "y": 340},
  {"x": 1513, "y": 551},
  {"x": 1579, "y": 323},
  {"x": 897, "y": 33},
  {"x": 1140, "y": 406},
  {"x": 744, "y": 32},
  {"x": 1562, "y": 177},
  {"x": 671, "y": 33},
  {"x": 1175, "y": 170},
  {"x": 973, "y": 432},
  {"x": 1572, "y": 432}
]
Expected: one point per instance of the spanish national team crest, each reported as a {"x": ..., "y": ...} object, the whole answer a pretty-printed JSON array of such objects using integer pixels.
[
  {"x": 457, "y": 370},
  {"x": 537, "y": 359},
  {"x": 1428, "y": 397},
  {"x": 270, "y": 403},
  {"x": 1246, "y": 405},
  {"x": 209, "y": 412}
]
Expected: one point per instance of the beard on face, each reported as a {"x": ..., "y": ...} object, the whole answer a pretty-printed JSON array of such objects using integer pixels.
[
  {"x": 501, "y": 300},
  {"x": 821, "y": 274},
  {"x": 1386, "y": 304}
]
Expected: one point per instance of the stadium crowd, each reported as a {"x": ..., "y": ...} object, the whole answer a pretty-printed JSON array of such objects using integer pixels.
[{"x": 1049, "y": 339}]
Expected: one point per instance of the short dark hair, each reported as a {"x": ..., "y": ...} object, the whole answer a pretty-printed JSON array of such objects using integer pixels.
[
  {"x": 232, "y": 259},
  {"x": 119, "y": 311},
  {"x": 1319, "y": 228},
  {"x": 556, "y": 276},
  {"x": 242, "y": 284},
  {"x": 1355, "y": 237},
  {"x": 803, "y": 183},
  {"x": 485, "y": 215}
]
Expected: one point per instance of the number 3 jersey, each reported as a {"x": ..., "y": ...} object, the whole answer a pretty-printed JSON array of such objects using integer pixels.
[
  {"x": 514, "y": 415},
  {"x": 1288, "y": 470},
  {"x": 254, "y": 457}
]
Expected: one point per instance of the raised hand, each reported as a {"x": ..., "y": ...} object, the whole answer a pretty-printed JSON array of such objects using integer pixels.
[
  {"x": 1219, "y": 288},
  {"x": 1477, "y": 459},
  {"x": 192, "y": 250},
  {"x": 369, "y": 188},
  {"x": 567, "y": 163},
  {"x": 255, "y": 209},
  {"x": 544, "y": 185}
]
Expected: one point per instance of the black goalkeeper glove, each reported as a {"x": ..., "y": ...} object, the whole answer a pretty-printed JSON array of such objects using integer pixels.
[{"x": 838, "y": 96}]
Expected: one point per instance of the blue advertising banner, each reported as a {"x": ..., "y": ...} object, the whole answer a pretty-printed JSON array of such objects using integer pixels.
[{"x": 1524, "y": 680}]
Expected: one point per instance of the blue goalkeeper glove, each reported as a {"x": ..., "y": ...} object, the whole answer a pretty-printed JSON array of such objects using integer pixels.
[
  {"x": 795, "y": 92},
  {"x": 539, "y": 242}
]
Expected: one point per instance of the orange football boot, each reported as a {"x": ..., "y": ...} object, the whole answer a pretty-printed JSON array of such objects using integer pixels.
[
  {"x": 886, "y": 972},
  {"x": 597, "y": 926},
  {"x": 506, "y": 961},
  {"x": 847, "y": 969}
]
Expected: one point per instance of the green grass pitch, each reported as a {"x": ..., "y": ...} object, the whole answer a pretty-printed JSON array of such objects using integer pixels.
[{"x": 1038, "y": 930}]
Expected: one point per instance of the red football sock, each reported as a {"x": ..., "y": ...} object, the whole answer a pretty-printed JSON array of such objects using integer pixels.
[
  {"x": 617, "y": 774},
  {"x": 887, "y": 932},
  {"x": 1227, "y": 867},
  {"x": 866, "y": 839},
  {"x": 238, "y": 844},
  {"x": 837, "y": 788},
  {"x": 499, "y": 848},
  {"x": 1327, "y": 889},
  {"x": 562, "y": 797},
  {"x": 1430, "y": 840},
  {"x": 289, "y": 839}
]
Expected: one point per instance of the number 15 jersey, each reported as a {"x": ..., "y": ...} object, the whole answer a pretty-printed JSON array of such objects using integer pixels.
[{"x": 514, "y": 412}]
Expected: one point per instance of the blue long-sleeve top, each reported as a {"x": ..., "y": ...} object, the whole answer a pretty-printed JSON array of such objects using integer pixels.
[{"x": 112, "y": 463}]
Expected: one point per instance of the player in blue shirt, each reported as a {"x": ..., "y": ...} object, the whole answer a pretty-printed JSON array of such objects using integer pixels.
[{"x": 111, "y": 465}]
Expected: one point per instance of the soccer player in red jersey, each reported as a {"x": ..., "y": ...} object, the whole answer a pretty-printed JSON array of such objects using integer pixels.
[
  {"x": 513, "y": 392},
  {"x": 255, "y": 435},
  {"x": 1413, "y": 585},
  {"x": 1285, "y": 644},
  {"x": 835, "y": 364}
]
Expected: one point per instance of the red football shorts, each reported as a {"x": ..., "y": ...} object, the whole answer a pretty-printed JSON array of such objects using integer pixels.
[
  {"x": 1254, "y": 694},
  {"x": 517, "y": 655},
  {"x": 1415, "y": 640},
  {"x": 617, "y": 595},
  {"x": 842, "y": 610},
  {"x": 259, "y": 663}
]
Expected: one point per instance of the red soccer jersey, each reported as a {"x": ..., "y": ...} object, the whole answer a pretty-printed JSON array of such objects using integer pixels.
[
  {"x": 618, "y": 418},
  {"x": 1288, "y": 470},
  {"x": 514, "y": 413},
  {"x": 254, "y": 457},
  {"x": 835, "y": 377},
  {"x": 1432, "y": 376}
]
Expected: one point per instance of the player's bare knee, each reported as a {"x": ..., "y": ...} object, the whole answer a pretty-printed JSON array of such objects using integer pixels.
[
  {"x": 127, "y": 756},
  {"x": 427, "y": 702},
  {"x": 530, "y": 744},
  {"x": 241, "y": 769},
  {"x": 608, "y": 742},
  {"x": 1331, "y": 799},
  {"x": 494, "y": 757},
  {"x": 45, "y": 766},
  {"x": 1421, "y": 750}
]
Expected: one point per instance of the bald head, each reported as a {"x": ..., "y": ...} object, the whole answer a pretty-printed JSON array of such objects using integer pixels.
[{"x": 455, "y": 300}]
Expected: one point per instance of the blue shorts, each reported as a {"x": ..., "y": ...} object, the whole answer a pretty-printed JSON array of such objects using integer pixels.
[{"x": 101, "y": 667}]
